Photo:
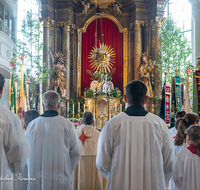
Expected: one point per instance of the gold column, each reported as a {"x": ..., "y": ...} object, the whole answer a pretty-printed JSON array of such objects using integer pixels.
[
  {"x": 146, "y": 38},
  {"x": 137, "y": 49},
  {"x": 157, "y": 80},
  {"x": 66, "y": 51},
  {"x": 46, "y": 55}
]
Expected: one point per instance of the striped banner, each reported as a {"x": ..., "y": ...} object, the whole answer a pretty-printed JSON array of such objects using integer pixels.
[{"x": 167, "y": 105}]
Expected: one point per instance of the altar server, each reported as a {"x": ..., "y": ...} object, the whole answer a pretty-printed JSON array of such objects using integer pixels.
[
  {"x": 135, "y": 149},
  {"x": 55, "y": 146},
  {"x": 14, "y": 147},
  {"x": 86, "y": 175},
  {"x": 187, "y": 168}
]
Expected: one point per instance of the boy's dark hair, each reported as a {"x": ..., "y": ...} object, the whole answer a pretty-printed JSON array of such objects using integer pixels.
[
  {"x": 87, "y": 118},
  {"x": 2, "y": 81},
  {"x": 136, "y": 92},
  {"x": 180, "y": 114},
  {"x": 30, "y": 116}
]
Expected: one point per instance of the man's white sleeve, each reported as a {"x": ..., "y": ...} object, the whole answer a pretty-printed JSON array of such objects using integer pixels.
[
  {"x": 16, "y": 145},
  {"x": 75, "y": 148},
  {"x": 168, "y": 153},
  {"x": 104, "y": 158}
]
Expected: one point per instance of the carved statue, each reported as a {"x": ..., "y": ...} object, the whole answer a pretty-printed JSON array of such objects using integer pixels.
[
  {"x": 95, "y": 86},
  {"x": 59, "y": 78},
  {"x": 86, "y": 7},
  {"x": 117, "y": 7},
  {"x": 146, "y": 74}
]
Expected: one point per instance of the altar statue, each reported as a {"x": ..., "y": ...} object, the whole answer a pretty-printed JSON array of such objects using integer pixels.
[
  {"x": 59, "y": 77},
  {"x": 146, "y": 74}
]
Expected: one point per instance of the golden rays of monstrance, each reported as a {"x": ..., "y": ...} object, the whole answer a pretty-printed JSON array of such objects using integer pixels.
[{"x": 102, "y": 59}]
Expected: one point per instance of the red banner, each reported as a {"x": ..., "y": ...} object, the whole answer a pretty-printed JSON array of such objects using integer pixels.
[
  {"x": 167, "y": 104},
  {"x": 197, "y": 74}
]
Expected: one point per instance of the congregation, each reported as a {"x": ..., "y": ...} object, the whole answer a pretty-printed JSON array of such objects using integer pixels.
[{"x": 134, "y": 151}]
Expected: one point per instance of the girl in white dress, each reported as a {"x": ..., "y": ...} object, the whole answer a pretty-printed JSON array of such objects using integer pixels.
[
  {"x": 187, "y": 168},
  {"x": 180, "y": 138}
]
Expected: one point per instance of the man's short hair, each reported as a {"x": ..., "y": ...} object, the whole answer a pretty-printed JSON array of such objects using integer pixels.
[
  {"x": 136, "y": 92},
  {"x": 2, "y": 81},
  {"x": 51, "y": 99},
  {"x": 30, "y": 116},
  {"x": 87, "y": 118}
]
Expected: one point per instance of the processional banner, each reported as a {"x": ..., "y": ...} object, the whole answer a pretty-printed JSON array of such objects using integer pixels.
[
  {"x": 178, "y": 92},
  {"x": 197, "y": 75},
  {"x": 167, "y": 105}
]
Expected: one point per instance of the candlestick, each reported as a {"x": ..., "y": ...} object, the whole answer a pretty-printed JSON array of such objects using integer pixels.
[
  {"x": 78, "y": 109},
  {"x": 83, "y": 108},
  {"x": 120, "y": 108},
  {"x": 115, "y": 108},
  {"x": 67, "y": 109}
]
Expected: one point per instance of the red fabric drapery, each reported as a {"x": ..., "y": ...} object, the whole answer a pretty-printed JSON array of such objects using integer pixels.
[{"x": 111, "y": 37}]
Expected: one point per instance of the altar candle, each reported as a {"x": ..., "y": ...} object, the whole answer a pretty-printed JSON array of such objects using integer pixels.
[
  {"x": 115, "y": 107},
  {"x": 120, "y": 108},
  {"x": 78, "y": 106},
  {"x": 84, "y": 108},
  {"x": 67, "y": 106}
]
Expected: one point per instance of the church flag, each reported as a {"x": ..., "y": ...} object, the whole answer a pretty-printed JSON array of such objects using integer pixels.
[
  {"x": 12, "y": 97},
  {"x": 198, "y": 87},
  {"x": 20, "y": 111},
  {"x": 173, "y": 102},
  {"x": 167, "y": 105},
  {"x": 178, "y": 92},
  {"x": 195, "y": 96}
]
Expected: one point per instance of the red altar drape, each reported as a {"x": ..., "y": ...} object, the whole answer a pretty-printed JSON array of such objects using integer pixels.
[{"x": 111, "y": 37}]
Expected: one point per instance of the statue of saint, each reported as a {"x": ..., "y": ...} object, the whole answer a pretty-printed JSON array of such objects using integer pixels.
[
  {"x": 146, "y": 75},
  {"x": 59, "y": 77}
]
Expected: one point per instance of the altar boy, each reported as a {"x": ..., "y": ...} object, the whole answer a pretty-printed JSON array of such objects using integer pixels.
[{"x": 135, "y": 149}]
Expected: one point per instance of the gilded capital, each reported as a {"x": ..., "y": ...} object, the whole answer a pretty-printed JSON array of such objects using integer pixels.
[
  {"x": 46, "y": 22},
  {"x": 137, "y": 25},
  {"x": 158, "y": 22},
  {"x": 51, "y": 24}
]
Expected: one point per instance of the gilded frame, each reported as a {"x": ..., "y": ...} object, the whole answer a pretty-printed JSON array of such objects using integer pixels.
[{"x": 125, "y": 48}]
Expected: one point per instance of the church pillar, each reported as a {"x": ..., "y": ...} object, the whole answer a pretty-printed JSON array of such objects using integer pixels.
[
  {"x": 195, "y": 30},
  {"x": 137, "y": 49},
  {"x": 66, "y": 51},
  {"x": 157, "y": 80},
  {"x": 46, "y": 55},
  {"x": 146, "y": 38}
]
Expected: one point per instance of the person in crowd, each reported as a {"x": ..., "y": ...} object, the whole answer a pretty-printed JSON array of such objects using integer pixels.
[
  {"x": 86, "y": 175},
  {"x": 56, "y": 149},
  {"x": 179, "y": 114},
  {"x": 187, "y": 168},
  {"x": 14, "y": 149},
  {"x": 180, "y": 138},
  {"x": 135, "y": 148},
  {"x": 30, "y": 116}
]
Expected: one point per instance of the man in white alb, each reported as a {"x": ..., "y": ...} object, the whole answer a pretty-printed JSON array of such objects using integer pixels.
[
  {"x": 135, "y": 149},
  {"x": 87, "y": 177},
  {"x": 14, "y": 147},
  {"x": 56, "y": 149}
]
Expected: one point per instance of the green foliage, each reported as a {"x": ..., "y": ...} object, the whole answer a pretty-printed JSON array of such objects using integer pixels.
[
  {"x": 175, "y": 50},
  {"x": 89, "y": 93},
  {"x": 117, "y": 94},
  {"x": 31, "y": 47}
]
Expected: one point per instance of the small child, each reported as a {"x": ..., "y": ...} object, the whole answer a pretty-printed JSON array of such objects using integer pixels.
[
  {"x": 180, "y": 138},
  {"x": 187, "y": 168},
  {"x": 179, "y": 115}
]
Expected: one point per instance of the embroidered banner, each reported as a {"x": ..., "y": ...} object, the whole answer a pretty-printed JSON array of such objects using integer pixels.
[
  {"x": 197, "y": 73},
  {"x": 173, "y": 103},
  {"x": 195, "y": 99},
  {"x": 178, "y": 93},
  {"x": 167, "y": 105}
]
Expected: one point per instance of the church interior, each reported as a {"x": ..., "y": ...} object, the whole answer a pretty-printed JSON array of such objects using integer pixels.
[{"x": 91, "y": 49}]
